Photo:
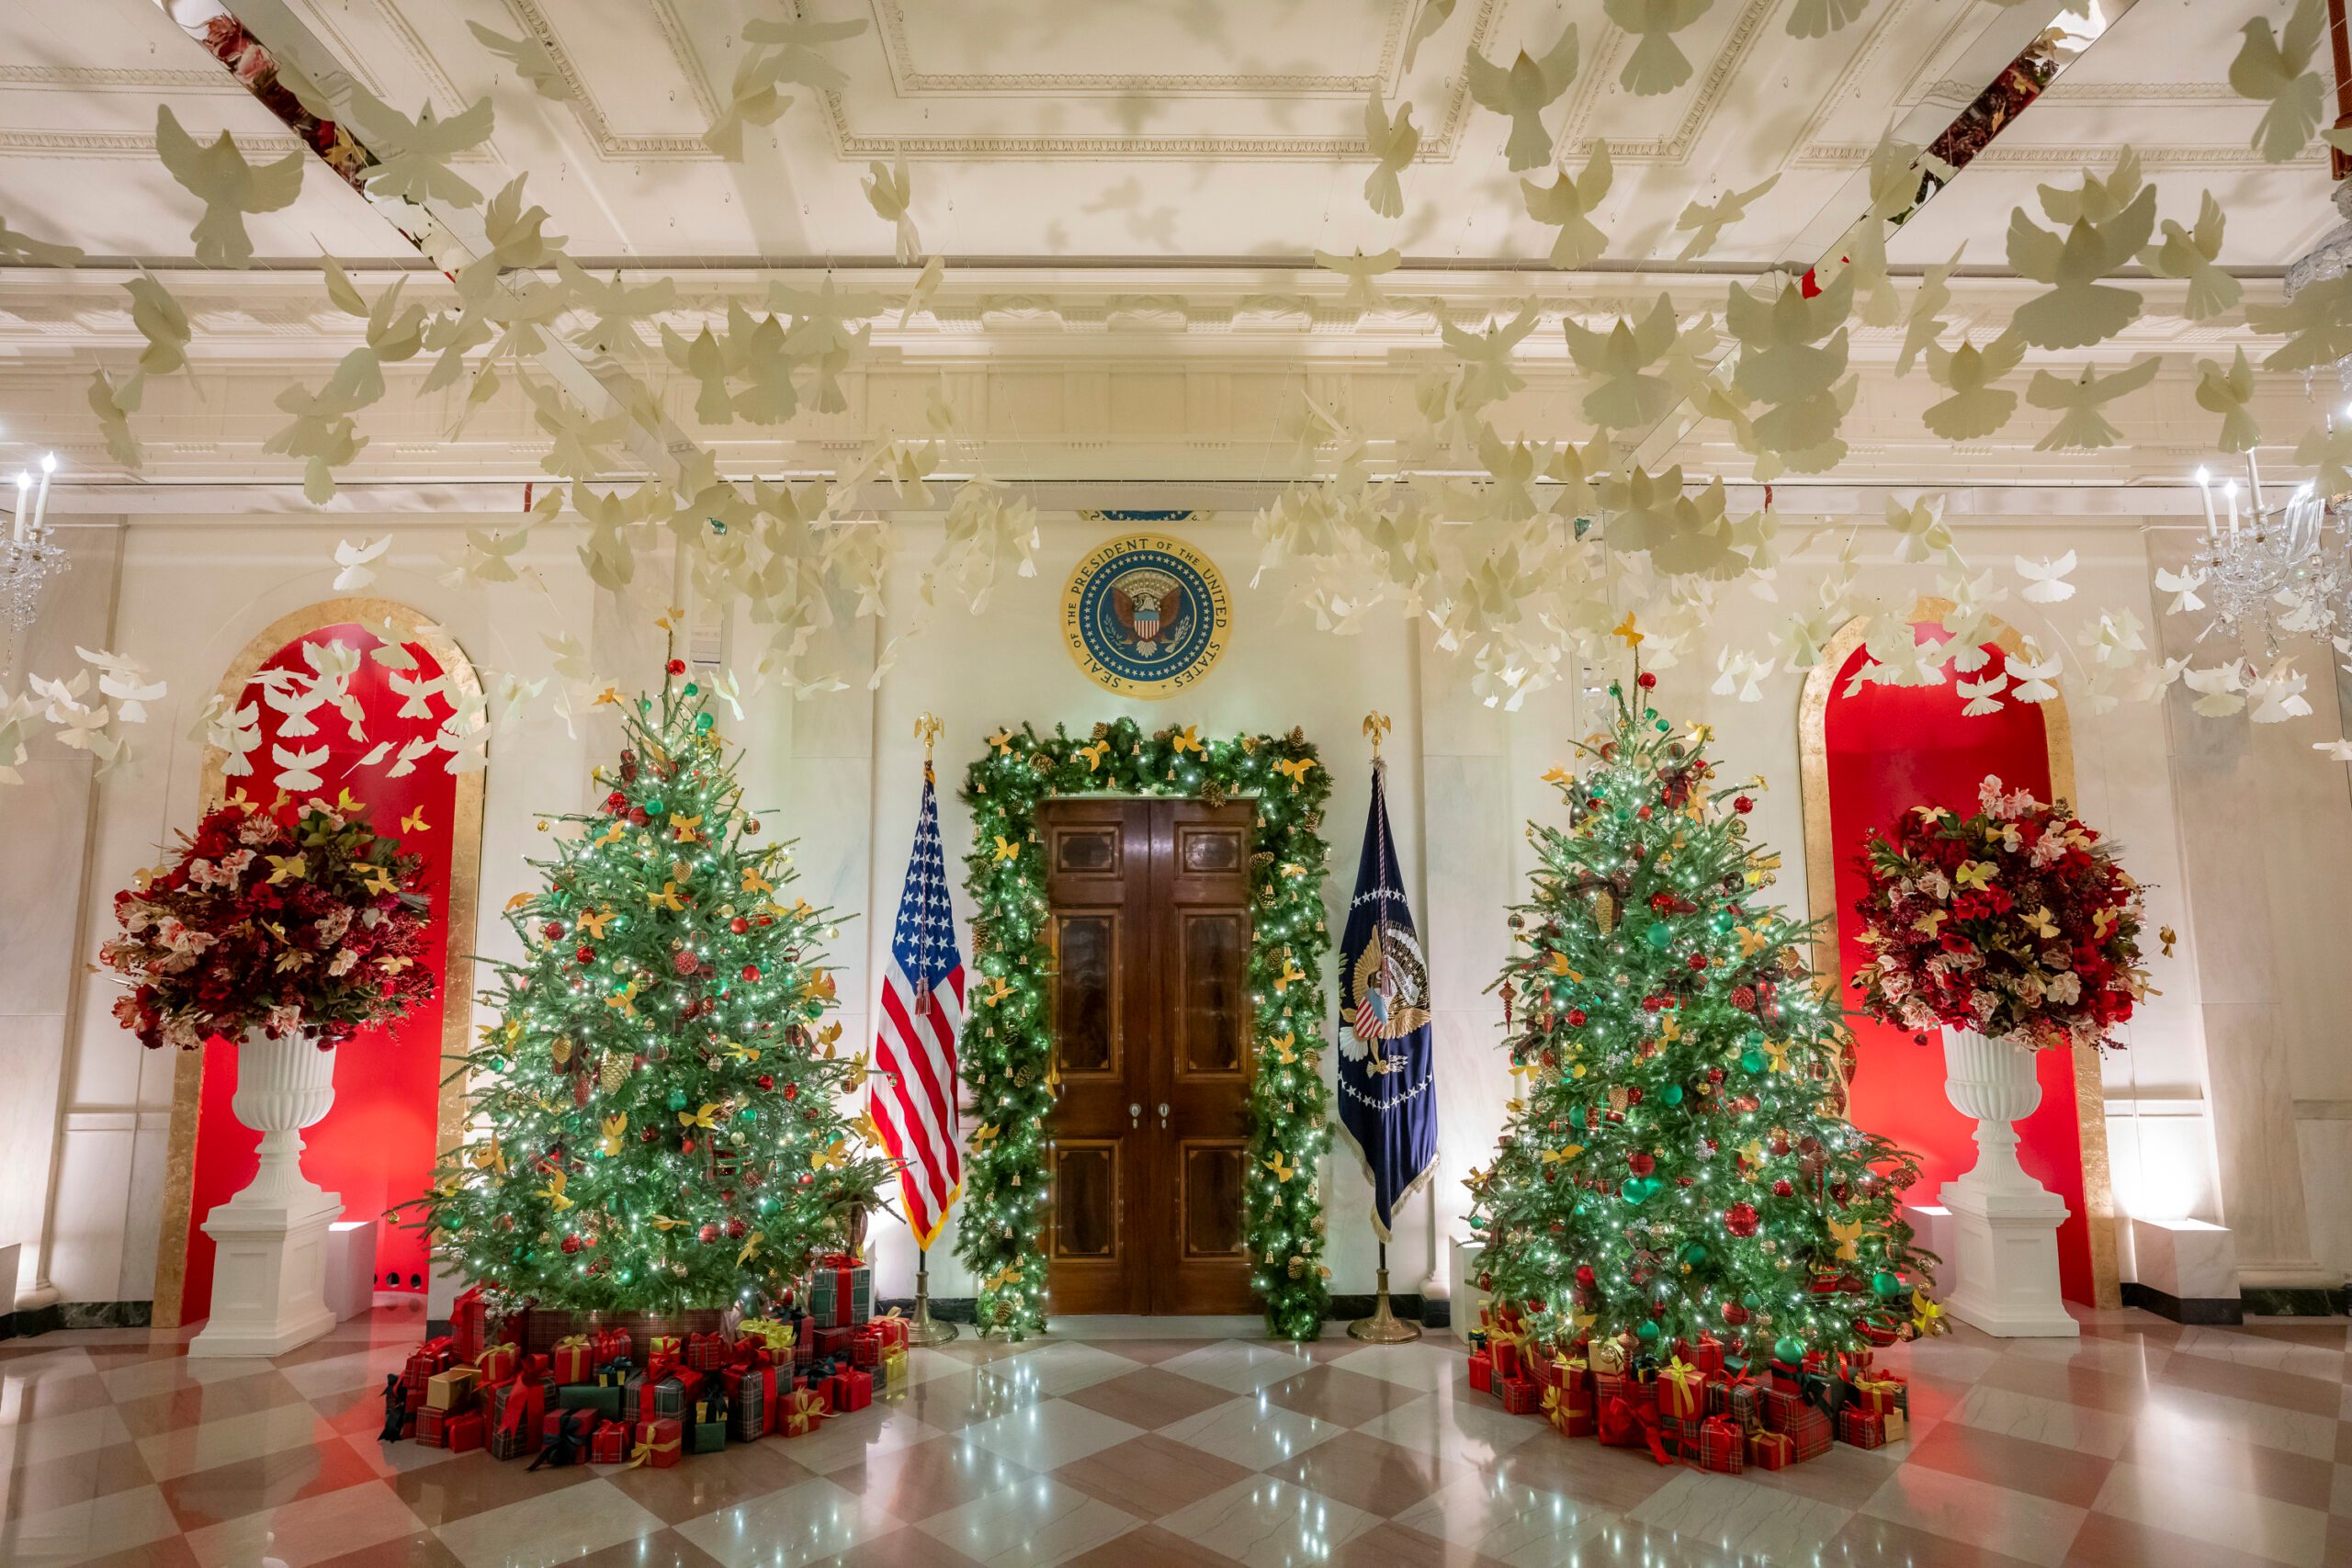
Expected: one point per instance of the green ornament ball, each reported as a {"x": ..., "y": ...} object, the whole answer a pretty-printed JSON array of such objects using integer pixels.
[
  {"x": 1752, "y": 1060},
  {"x": 677, "y": 1100},
  {"x": 654, "y": 806},
  {"x": 748, "y": 1113},
  {"x": 1694, "y": 1255},
  {"x": 498, "y": 1064},
  {"x": 1660, "y": 935},
  {"x": 1752, "y": 1302},
  {"x": 1647, "y": 1333},
  {"x": 1887, "y": 1285},
  {"x": 1788, "y": 1348},
  {"x": 693, "y": 690},
  {"x": 1755, "y": 1037},
  {"x": 1623, "y": 814},
  {"x": 703, "y": 722},
  {"x": 1674, "y": 1094}
]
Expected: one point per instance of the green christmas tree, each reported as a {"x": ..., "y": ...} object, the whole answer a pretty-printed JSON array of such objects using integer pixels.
[
  {"x": 1676, "y": 1161},
  {"x": 660, "y": 1103}
]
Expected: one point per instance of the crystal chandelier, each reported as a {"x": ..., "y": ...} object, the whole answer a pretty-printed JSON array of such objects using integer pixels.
[
  {"x": 32, "y": 555},
  {"x": 2275, "y": 572}
]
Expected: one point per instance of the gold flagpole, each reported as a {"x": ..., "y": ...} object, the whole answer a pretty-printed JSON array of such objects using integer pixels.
[
  {"x": 926, "y": 1330},
  {"x": 1383, "y": 1326}
]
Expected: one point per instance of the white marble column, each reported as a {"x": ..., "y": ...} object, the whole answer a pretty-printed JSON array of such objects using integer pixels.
[{"x": 46, "y": 920}]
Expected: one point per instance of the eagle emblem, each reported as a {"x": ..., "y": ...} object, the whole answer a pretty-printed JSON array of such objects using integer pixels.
[
  {"x": 1392, "y": 996},
  {"x": 1149, "y": 605}
]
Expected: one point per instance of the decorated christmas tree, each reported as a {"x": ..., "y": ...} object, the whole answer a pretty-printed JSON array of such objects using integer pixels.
[
  {"x": 658, "y": 1116},
  {"x": 1676, "y": 1162}
]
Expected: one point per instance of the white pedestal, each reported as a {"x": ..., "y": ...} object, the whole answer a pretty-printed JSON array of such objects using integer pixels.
[
  {"x": 2005, "y": 1262},
  {"x": 1464, "y": 1259},
  {"x": 269, "y": 1269},
  {"x": 11, "y": 1257},
  {"x": 351, "y": 1268},
  {"x": 2193, "y": 1262},
  {"x": 1931, "y": 1225}
]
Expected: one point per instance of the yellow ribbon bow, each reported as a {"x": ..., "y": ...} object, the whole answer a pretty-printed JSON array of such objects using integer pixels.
[
  {"x": 831, "y": 1157},
  {"x": 1559, "y": 775},
  {"x": 379, "y": 880},
  {"x": 1008, "y": 1275},
  {"x": 701, "y": 1118},
  {"x": 685, "y": 826},
  {"x": 1095, "y": 754},
  {"x": 999, "y": 990},
  {"x": 1929, "y": 922},
  {"x": 285, "y": 866},
  {"x": 750, "y": 1248},
  {"x": 664, "y": 1223},
  {"x": 1188, "y": 740},
  {"x": 736, "y": 1050},
  {"x": 1282, "y": 1048},
  {"x": 667, "y": 899},
  {"x": 624, "y": 1001},
  {"x": 490, "y": 1157},
  {"x": 754, "y": 883},
  {"x": 1296, "y": 769},
  {"x": 613, "y": 1127},
  {"x": 1005, "y": 848},
  {"x": 1562, "y": 1156},
  {"x": 855, "y": 1079},
  {"x": 553, "y": 1193},
  {"x": 1284, "y": 1170},
  {"x": 1001, "y": 741},
  {"x": 982, "y": 1136}
]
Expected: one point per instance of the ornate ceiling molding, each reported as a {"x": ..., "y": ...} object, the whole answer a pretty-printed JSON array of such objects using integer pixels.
[{"x": 1706, "y": 98}]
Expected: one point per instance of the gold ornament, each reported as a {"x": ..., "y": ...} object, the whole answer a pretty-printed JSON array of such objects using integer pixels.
[
  {"x": 1604, "y": 911},
  {"x": 613, "y": 1072}
]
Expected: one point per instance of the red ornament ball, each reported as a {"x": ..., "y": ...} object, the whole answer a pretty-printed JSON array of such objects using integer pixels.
[
  {"x": 552, "y": 929},
  {"x": 684, "y": 961},
  {"x": 570, "y": 1243},
  {"x": 616, "y": 803},
  {"x": 806, "y": 1176},
  {"x": 677, "y": 667},
  {"x": 1740, "y": 1219},
  {"x": 739, "y": 925},
  {"x": 766, "y": 1080},
  {"x": 1742, "y": 805},
  {"x": 1643, "y": 813},
  {"x": 1575, "y": 1018},
  {"x": 647, "y": 1134},
  {"x": 736, "y": 1227},
  {"x": 1697, "y": 962},
  {"x": 1646, "y": 681},
  {"x": 1640, "y": 1163},
  {"x": 637, "y": 816},
  {"x": 584, "y": 954},
  {"x": 1784, "y": 1189},
  {"x": 792, "y": 1091},
  {"x": 707, "y": 1234},
  {"x": 1584, "y": 1277},
  {"x": 1634, "y": 1095},
  {"x": 751, "y": 971}
]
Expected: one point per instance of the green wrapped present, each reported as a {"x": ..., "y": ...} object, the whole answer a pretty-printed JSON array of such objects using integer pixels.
[
  {"x": 705, "y": 1437},
  {"x": 605, "y": 1401}
]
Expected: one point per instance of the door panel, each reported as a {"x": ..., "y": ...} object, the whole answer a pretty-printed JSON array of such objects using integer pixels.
[{"x": 1149, "y": 906}]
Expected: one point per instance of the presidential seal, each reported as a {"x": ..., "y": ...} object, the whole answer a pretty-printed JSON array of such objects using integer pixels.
[
  {"x": 1146, "y": 616},
  {"x": 1391, "y": 991}
]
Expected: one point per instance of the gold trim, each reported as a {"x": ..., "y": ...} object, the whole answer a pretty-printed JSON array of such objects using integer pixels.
[
  {"x": 464, "y": 893},
  {"x": 1821, "y": 896}
]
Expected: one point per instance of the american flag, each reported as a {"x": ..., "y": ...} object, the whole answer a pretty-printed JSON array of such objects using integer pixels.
[{"x": 915, "y": 1048}]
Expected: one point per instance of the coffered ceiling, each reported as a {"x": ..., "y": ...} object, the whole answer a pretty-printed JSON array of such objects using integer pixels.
[{"x": 1102, "y": 133}]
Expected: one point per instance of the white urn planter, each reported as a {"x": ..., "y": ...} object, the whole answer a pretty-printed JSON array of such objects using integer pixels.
[
  {"x": 269, "y": 1265},
  {"x": 2005, "y": 1223}
]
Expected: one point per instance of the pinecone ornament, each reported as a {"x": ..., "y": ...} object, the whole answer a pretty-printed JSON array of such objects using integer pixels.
[{"x": 614, "y": 1071}]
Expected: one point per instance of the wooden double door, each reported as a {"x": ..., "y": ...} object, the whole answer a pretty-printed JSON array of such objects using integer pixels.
[{"x": 1149, "y": 902}]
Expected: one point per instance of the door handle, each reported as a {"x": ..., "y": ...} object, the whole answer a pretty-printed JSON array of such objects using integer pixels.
[
  {"x": 1134, "y": 1115},
  {"x": 1163, "y": 1115}
]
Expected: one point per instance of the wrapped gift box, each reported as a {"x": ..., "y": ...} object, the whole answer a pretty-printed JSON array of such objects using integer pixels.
[
  {"x": 572, "y": 1360},
  {"x": 865, "y": 1347},
  {"x": 705, "y": 1437},
  {"x": 1509, "y": 1357},
  {"x": 1721, "y": 1445},
  {"x": 804, "y": 1412},
  {"x": 804, "y": 1340},
  {"x": 1810, "y": 1431},
  {"x": 660, "y": 1392},
  {"x": 1681, "y": 1392},
  {"x": 451, "y": 1391},
  {"x": 754, "y": 1397},
  {"x": 497, "y": 1363},
  {"x": 1565, "y": 1369},
  {"x": 1521, "y": 1396},
  {"x": 611, "y": 1443},
  {"x": 564, "y": 1437},
  {"x": 773, "y": 1335},
  {"x": 1482, "y": 1373},
  {"x": 841, "y": 1292},
  {"x": 1706, "y": 1353},
  {"x": 659, "y": 1444},
  {"x": 893, "y": 1329},
  {"x": 659, "y": 1345},
  {"x": 1771, "y": 1451},
  {"x": 605, "y": 1401},
  {"x": 465, "y": 1433},
  {"x": 1609, "y": 1386},
  {"x": 435, "y": 1355},
  {"x": 894, "y": 1368},
  {"x": 431, "y": 1423},
  {"x": 616, "y": 1372},
  {"x": 1881, "y": 1392},
  {"x": 1781, "y": 1407},
  {"x": 468, "y": 1325},
  {"x": 849, "y": 1389},
  {"x": 516, "y": 1413},
  {"x": 1871, "y": 1428},
  {"x": 611, "y": 1345},
  {"x": 705, "y": 1353},
  {"x": 1568, "y": 1406},
  {"x": 834, "y": 1343}
]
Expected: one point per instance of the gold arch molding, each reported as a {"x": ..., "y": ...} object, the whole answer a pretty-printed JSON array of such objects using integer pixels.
[
  {"x": 465, "y": 892},
  {"x": 1820, "y": 877}
]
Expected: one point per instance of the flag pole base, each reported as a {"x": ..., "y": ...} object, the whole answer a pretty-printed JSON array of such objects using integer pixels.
[
  {"x": 1383, "y": 1326},
  {"x": 926, "y": 1330}
]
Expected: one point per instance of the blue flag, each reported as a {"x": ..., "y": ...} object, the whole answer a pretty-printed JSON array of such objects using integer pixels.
[{"x": 1384, "y": 1054}]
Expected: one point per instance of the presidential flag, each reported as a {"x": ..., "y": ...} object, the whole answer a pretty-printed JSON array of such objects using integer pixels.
[
  {"x": 915, "y": 1048},
  {"x": 1385, "y": 1103}
]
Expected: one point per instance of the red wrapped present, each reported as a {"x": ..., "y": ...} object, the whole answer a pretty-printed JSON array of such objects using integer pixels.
[
  {"x": 1784, "y": 1374},
  {"x": 1568, "y": 1406},
  {"x": 894, "y": 1330},
  {"x": 1781, "y": 1408},
  {"x": 706, "y": 1353},
  {"x": 865, "y": 1347},
  {"x": 564, "y": 1437},
  {"x": 1521, "y": 1396},
  {"x": 1722, "y": 1445},
  {"x": 497, "y": 1363},
  {"x": 804, "y": 1340},
  {"x": 1810, "y": 1432},
  {"x": 1706, "y": 1353},
  {"x": 469, "y": 1325},
  {"x": 664, "y": 1389},
  {"x": 1563, "y": 1370},
  {"x": 610, "y": 1345},
  {"x": 430, "y": 1426},
  {"x": 841, "y": 1292},
  {"x": 1681, "y": 1392},
  {"x": 610, "y": 1443},
  {"x": 1815, "y": 1362},
  {"x": 755, "y": 1398},
  {"x": 573, "y": 1360},
  {"x": 1882, "y": 1392},
  {"x": 1771, "y": 1451},
  {"x": 659, "y": 1445},
  {"x": 1607, "y": 1386},
  {"x": 1509, "y": 1351},
  {"x": 1738, "y": 1398},
  {"x": 803, "y": 1413},
  {"x": 850, "y": 1389},
  {"x": 1871, "y": 1428},
  {"x": 832, "y": 1343},
  {"x": 1482, "y": 1371},
  {"x": 517, "y": 1412},
  {"x": 1628, "y": 1423},
  {"x": 435, "y": 1355},
  {"x": 465, "y": 1433}
]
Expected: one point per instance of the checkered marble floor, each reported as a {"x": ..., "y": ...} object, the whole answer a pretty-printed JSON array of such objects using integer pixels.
[{"x": 2143, "y": 1443}]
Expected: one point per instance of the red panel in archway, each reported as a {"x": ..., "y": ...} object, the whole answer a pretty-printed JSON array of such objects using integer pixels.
[
  {"x": 375, "y": 1147},
  {"x": 1890, "y": 747}
]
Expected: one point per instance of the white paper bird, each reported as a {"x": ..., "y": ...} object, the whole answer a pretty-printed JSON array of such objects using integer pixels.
[
  {"x": 798, "y": 42},
  {"x": 2318, "y": 324},
  {"x": 1433, "y": 15},
  {"x": 752, "y": 99},
  {"x": 2220, "y": 689},
  {"x": 113, "y": 404},
  {"x": 2047, "y": 581},
  {"x": 2033, "y": 672},
  {"x": 1523, "y": 92},
  {"x": 1742, "y": 673},
  {"x": 1392, "y": 142},
  {"x": 1657, "y": 64},
  {"x": 161, "y": 323},
  {"x": 1622, "y": 391},
  {"x": 2195, "y": 254},
  {"x": 297, "y": 703},
  {"x": 1922, "y": 322},
  {"x": 2335, "y": 751},
  {"x": 22, "y": 249},
  {"x": 2080, "y": 425},
  {"x": 890, "y": 191},
  {"x": 2183, "y": 587},
  {"x": 2276, "y": 694},
  {"x": 217, "y": 174},
  {"x": 926, "y": 285},
  {"x": 410, "y": 753},
  {"x": 1984, "y": 696},
  {"x": 1977, "y": 407},
  {"x": 1487, "y": 373},
  {"x": 1707, "y": 220},
  {"x": 531, "y": 59},
  {"x": 413, "y": 154},
  {"x": 357, "y": 561},
  {"x": 1360, "y": 270},
  {"x": 1920, "y": 528},
  {"x": 1568, "y": 204},
  {"x": 2078, "y": 310},
  {"x": 2228, "y": 390},
  {"x": 297, "y": 770},
  {"x": 2274, "y": 69},
  {"x": 1819, "y": 18}
]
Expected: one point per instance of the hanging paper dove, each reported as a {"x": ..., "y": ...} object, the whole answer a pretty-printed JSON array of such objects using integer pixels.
[
  {"x": 2227, "y": 390},
  {"x": 2078, "y": 310},
  {"x": 114, "y": 405},
  {"x": 357, "y": 561},
  {"x": 532, "y": 60},
  {"x": 1819, "y": 18},
  {"x": 22, "y": 249},
  {"x": 890, "y": 191},
  {"x": 1360, "y": 270},
  {"x": 296, "y": 769},
  {"x": 1983, "y": 697},
  {"x": 1568, "y": 204},
  {"x": 2048, "y": 581},
  {"x": 2081, "y": 425},
  {"x": 161, "y": 323},
  {"x": 2274, "y": 69},
  {"x": 1621, "y": 394},
  {"x": 230, "y": 188},
  {"x": 1521, "y": 93},
  {"x": 2032, "y": 674},
  {"x": 2195, "y": 254},
  {"x": 1433, "y": 16},
  {"x": 1976, "y": 407},
  {"x": 1656, "y": 64},
  {"x": 2183, "y": 587},
  {"x": 413, "y": 155},
  {"x": 1392, "y": 142},
  {"x": 1707, "y": 220}
]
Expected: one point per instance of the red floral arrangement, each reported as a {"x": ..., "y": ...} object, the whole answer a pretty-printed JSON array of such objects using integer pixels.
[
  {"x": 2014, "y": 922},
  {"x": 309, "y": 920}
]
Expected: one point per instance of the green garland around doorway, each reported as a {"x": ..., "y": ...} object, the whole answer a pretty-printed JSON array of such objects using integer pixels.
[{"x": 1007, "y": 1048}]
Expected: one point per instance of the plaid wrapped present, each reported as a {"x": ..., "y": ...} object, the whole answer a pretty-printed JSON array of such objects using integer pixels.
[
  {"x": 1568, "y": 1406},
  {"x": 803, "y": 1413},
  {"x": 664, "y": 1389},
  {"x": 1781, "y": 1407},
  {"x": 611, "y": 1345},
  {"x": 893, "y": 1325},
  {"x": 573, "y": 1360},
  {"x": 1626, "y": 1422},
  {"x": 465, "y": 1433},
  {"x": 468, "y": 1325},
  {"x": 849, "y": 1389},
  {"x": 1871, "y": 1428},
  {"x": 841, "y": 1292},
  {"x": 1882, "y": 1392},
  {"x": 755, "y": 1398},
  {"x": 1621, "y": 1386},
  {"x": 659, "y": 1445},
  {"x": 451, "y": 1391},
  {"x": 1772, "y": 1450},
  {"x": 832, "y": 1343},
  {"x": 1706, "y": 1353},
  {"x": 431, "y": 1425},
  {"x": 1721, "y": 1445},
  {"x": 1739, "y": 1399},
  {"x": 1482, "y": 1371},
  {"x": 705, "y": 1353},
  {"x": 1521, "y": 1396},
  {"x": 1509, "y": 1353},
  {"x": 516, "y": 1412},
  {"x": 1810, "y": 1432},
  {"x": 611, "y": 1441},
  {"x": 1787, "y": 1375},
  {"x": 1682, "y": 1392},
  {"x": 1564, "y": 1366},
  {"x": 804, "y": 1340},
  {"x": 564, "y": 1437},
  {"x": 865, "y": 1347},
  {"x": 432, "y": 1356}
]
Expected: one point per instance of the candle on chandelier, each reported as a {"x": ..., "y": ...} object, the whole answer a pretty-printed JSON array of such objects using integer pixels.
[
  {"x": 40, "y": 496},
  {"x": 24, "y": 530},
  {"x": 2205, "y": 488}
]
